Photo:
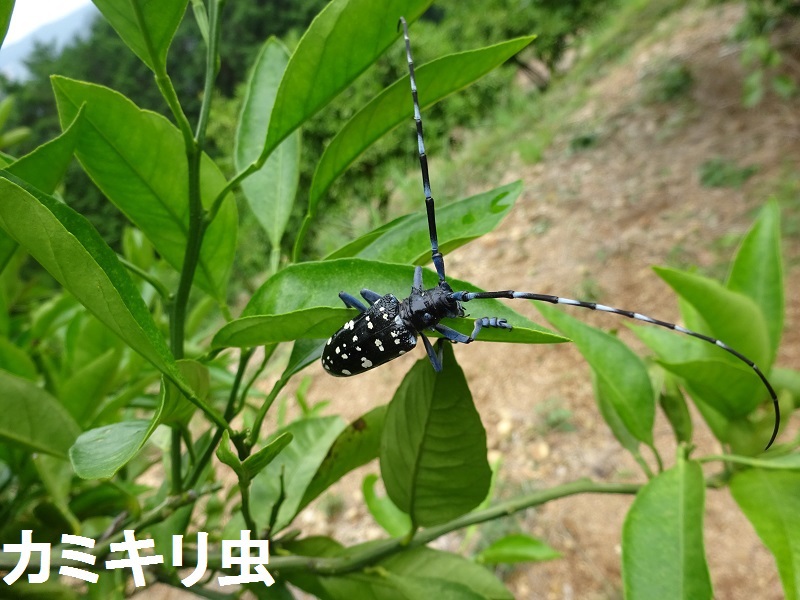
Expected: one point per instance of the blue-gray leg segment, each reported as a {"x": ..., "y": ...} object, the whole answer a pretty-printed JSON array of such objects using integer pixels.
[
  {"x": 436, "y": 357},
  {"x": 370, "y": 296},
  {"x": 352, "y": 302},
  {"x": 460, "y": 338},
  {"x": 417, "y": 285}
]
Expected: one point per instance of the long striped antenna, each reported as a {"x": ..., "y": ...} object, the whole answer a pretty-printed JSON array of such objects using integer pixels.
[
  {"x": 467, "y": 296},
  {"x": 438, "y": 259}
]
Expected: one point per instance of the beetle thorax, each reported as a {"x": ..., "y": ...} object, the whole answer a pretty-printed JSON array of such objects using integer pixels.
[{"x": 424, "y": 309}]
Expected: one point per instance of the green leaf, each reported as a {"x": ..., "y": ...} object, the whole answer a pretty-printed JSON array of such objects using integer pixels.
[
  {"x": 342, "y": 41},
  {"x": 296, "y": 465},
  {"x": 45, "y": 166},
  {"x": 662, "y": 539},
  {"x": 771, "y": 502},
  {"x": 407, "y": 240},
  {"x": 257, "y": 462},
  {"x": 70, "y": 249},
  {"x": 308, "y": 323},
  {"x": 731, "y": 316},
  {"x": 315, "y": 284},
  {"x": 787, "y": 379},
  {"x": 730, "y": 389},
  {"x": 517, "y": 548},
  {"x": 435, "y": 564},
  {"x": 6, "y": 8},
  {"x": 783, "y": 461},
  {"x": 16, "y": 361},
  {"x": 357, "y": 445},
  {"x": 146, "y": 26},
  {"x": 138, "y": 160},
  {"x": 672, "y": 402},
  {"x": 270, "y": 191},
  {"x": 621, "y": 374},
  {"x": 415, "y": 574},
  {"x": 757, "y": 271},
  {"x": 56, "y": 477},
  {"x": 86, "y": 387},
  {"x": 33, "y": 419},
  {"x": 393, "y": 520},
  {"x": 304, "y": 353},
  {"x": 438, "y": 79},
  {"x": 100, "y": 453},
  {"x": 433, "y": 450},
  {"x": 177, "y": 409},
  {"x": 227, "y": 457}
]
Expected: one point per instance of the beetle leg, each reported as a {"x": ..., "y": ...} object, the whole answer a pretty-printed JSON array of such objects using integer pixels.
[
  {"x": 417, "y": 285},
  {"x": 352, "y": 302},
  {"x": 436, "y": 357},
  {"x": 452, "y": 335},
  {"x": 370, "y": 296}
]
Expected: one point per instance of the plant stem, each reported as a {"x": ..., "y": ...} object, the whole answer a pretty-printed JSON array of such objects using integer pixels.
[
  {"x": 301, "y": 236},
  {"x": 159, "y": 287},
  {"x": 175, "y": 461},
  {"x": 262, "y": 411},
  {"x": 230, "y": 411},
  {"x": 357, "y": 560},
  {"x": 197, "y": 217}
]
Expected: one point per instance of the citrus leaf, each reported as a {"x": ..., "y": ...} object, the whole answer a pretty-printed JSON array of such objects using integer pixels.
[
  {"x": 662, "y": 539},
  {"x": 342, "y": 41},
  {"x": 771, "y": 502},
  {"x": 433, "y": 450},
  {"x": 438, "y": 79},
  {"x": 271, "y": 190},
  {"x": 146, "y": 26},
  {"x": 138, "y": 160}
]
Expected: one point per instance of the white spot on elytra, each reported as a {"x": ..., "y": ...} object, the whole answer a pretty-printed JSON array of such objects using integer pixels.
[
  {"x": 329, "y": 341},
  {"x": 338, "y": 349},
  {"x": 344, "y": 356},
  {"x": 346, "y": 372},
  {"x": 397, "y": 342},
  {"x": 370, "y": 325},
  {"x": 401, "y": 353},
  {"x": 348, "y": 325},
  {"x": 365, "y": 362}
]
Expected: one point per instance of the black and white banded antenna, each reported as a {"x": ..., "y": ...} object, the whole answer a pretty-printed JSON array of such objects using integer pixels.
[
  {"x": 438, "y": 259},
  {"x": 510, "y": 294},
  {"x": 466, "y": 296}
]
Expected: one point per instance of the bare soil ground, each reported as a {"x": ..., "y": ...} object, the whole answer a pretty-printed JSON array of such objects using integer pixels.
[{"x": 596, "y": 220}]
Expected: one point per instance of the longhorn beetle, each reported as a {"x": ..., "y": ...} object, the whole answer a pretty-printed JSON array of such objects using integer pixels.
[{"x": 388, "y": 327}]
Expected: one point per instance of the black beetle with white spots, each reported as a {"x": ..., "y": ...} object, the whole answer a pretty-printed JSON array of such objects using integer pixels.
[{"x": 388, "y": 328}]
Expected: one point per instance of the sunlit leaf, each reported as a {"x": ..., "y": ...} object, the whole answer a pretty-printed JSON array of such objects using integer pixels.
[
  {"x": 663, "y": 555},
  {"x": 342, "y": 41},
  {"x": 137, "y": 158},
  {"x": 271, "y": 190},
  {"x": 146, "y": 26}
]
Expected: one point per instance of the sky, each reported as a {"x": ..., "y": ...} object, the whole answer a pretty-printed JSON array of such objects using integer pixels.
[{"x": 29, "y": 15}]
